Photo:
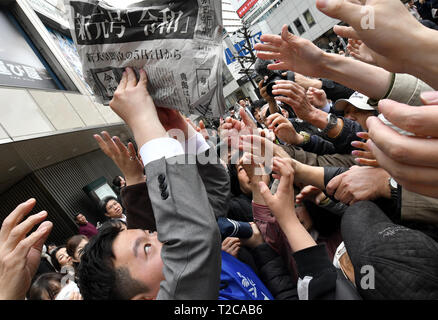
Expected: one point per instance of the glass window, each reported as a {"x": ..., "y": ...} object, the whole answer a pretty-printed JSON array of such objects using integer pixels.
[
  {"x": 299, "y": 26},
  {"x": 20, "y": 66},
  {"x": 309, "y": 18},
  {"x": 70, "y": 53}
]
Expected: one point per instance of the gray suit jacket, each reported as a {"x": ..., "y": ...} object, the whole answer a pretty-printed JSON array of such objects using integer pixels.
[
  {"x": 186, "y": 225},
  {"x": 139, "y": 211}
]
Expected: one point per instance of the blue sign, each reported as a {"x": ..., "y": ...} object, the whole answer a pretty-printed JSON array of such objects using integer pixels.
[{"x": 239, "y": 48}]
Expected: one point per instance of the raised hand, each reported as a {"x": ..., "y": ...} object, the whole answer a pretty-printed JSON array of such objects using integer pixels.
[
  {"x": 365, "y": 157},
  {"x": 284, "y": 129},
  {"x": 317, "y": 97},
  {"x": 20, "y": 256},
  {"x": 294, "y": 53},
  {"x": 395, "y": 38},
  {"x": 282, "y": 203},
  {"x": 359, "y": 184},
  {"x": 256, "y": 238},
  {"x": 294, "y": 95},
  {"x": 231, "y": 246},
  {"x": 361, "y": 52},
  {"x": 282, "y": 206},
  {"x": 133, "y": 103},
  {"x": 312, "y": 194},
  {"x": 124, "y": 157}
]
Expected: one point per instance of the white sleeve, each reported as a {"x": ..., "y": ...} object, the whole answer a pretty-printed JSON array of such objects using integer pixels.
[
  {"x": 327, "y": 107},
  {"x": 67, "y": 290},
  {"x": 159, "y": 148},
  {"x": 196, "y": 144}
]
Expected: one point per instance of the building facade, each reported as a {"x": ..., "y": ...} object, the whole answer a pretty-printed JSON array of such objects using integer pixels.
[
  {"x": 48, "y": 118},
  {"x": 269, "y": 16}
]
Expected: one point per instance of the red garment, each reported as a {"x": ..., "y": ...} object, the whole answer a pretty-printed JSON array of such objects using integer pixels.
[
  {"x": 272, "y": 234},
  {"x": 88, "y": 230}
]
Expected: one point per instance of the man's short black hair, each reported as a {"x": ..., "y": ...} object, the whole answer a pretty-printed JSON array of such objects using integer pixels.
[
  {"x": 117, "y": 181},
  {"x": 98, "y": 277},
  {"x": 259, "y": 104},
  {"x": 105, "y": 201}
]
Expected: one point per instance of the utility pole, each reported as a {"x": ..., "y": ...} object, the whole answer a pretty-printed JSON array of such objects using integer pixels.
[{"x": 245, "y": 34}]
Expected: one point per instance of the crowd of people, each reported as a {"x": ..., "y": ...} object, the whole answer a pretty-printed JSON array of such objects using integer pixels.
[{"x": 325, "y": 188}]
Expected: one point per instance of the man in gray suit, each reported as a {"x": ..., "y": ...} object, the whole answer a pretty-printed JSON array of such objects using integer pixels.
[{"x": 182, "y": 259}]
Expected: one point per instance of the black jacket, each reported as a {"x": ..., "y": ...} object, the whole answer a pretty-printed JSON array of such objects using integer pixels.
[
  {"x": 319, "y": 279},
  {"x": 335, "y": 91},
  {"x": 341, "y": 144},
  {"x": 274, "y": 273}
]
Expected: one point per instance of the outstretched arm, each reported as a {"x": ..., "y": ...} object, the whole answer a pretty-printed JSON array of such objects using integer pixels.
[
  {"x": 301, "y": 55},
  {"x": 317, "y": 275},
  {"x": 20, "y": 256},
  {"x": 186, "y": 223}
]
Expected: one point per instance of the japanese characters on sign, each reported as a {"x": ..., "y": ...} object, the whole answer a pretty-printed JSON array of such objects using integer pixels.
[
  {"x": 162, "y": 20},
  {"x": 178, "y": 43}
]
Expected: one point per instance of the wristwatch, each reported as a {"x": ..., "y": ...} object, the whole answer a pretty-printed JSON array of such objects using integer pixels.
[
  {"x": 306, "y": 137},
  {"x": 332, "y": 120},
  {"x": 393, "y": 186}
]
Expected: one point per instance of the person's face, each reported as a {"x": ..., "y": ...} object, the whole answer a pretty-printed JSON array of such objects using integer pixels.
[
  {"x": 244, "y": 181},
  {"x": 114, "y": 209},
  {"x": 122, "y": 182},
  {"x": 80, "y": 218},
  {"x": 63, "y": 258},
  {"x": 140, "y": 252},
  {"x": 304, "y": 217},
  {"x": 358, "y": 115},
  {"x": 242, "y": 103},
  {"x": 79, "y": 250}
]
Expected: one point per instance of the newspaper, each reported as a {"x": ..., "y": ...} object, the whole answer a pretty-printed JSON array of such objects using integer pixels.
[{"x": 178, "y": 43}]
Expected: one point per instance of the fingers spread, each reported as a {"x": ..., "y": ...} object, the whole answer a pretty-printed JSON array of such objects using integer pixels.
[
  {"x": 363, "y": 154},
  {"x": 367, "y": 162},
  {"x": 277, "y": 66},
  {"x": 35, "y": 240},
  {"x": 19, "y": 232},
  {"x": 270, "y": 38},
  {"x": 267, "y": 47},
  {"x": 110, "y": 145},
  {"x": 122, "y": 148},
  {"x": 268, "y": 56},
  {"x": 15, "y": 218}
]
